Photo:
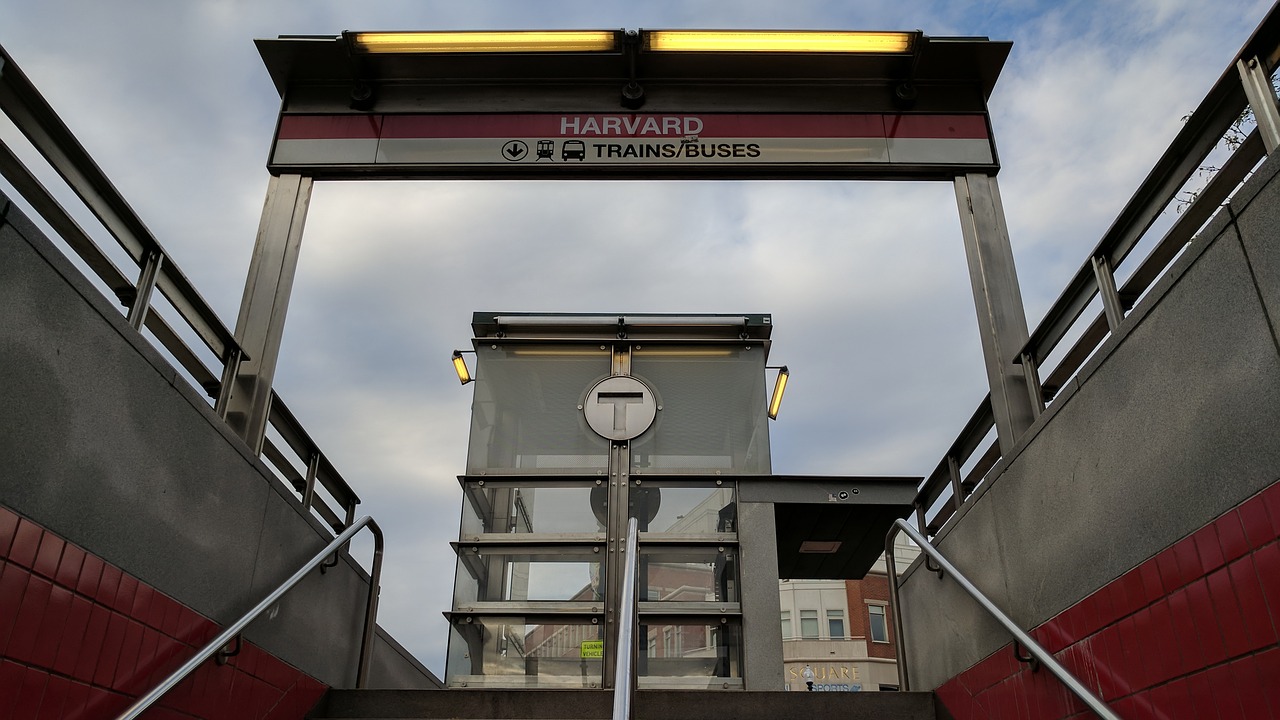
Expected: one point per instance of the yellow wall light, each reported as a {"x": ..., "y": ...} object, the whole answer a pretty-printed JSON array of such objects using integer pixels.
[
  {"x": 486, "y": 42},
  {"x": 460, "y": 367},
  {"x": 779, "y": 387},
  {"x": 801, "y": 41}
]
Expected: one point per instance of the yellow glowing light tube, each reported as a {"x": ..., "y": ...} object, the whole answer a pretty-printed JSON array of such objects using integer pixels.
[
  {"x": 460, "y": 367},
  {"x": 486, "y": 42},
  {"x": 803, "y": 41},
  {"x": 779, "y": 387}
]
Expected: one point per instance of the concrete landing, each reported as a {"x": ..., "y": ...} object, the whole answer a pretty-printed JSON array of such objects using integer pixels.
[{"x": 598, "y": 704}]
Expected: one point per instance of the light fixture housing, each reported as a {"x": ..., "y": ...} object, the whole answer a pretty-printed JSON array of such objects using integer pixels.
[
  {"x": 779, "y": 387},
  {"x": 460, "y": 367},
  {"x": 778, "y": 41},
  {"x": 475, "y": 41}
]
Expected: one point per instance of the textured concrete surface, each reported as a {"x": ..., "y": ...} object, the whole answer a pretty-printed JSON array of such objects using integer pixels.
[
  {"x": 1171, "y": 424},
  {"x": 105, "y": 445}
]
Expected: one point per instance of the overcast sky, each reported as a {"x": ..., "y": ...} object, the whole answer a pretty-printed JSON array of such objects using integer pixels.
[{"x": 866, "y": 282}]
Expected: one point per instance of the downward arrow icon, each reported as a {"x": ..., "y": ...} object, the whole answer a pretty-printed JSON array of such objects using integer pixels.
[{"x": 514, "y": 150}]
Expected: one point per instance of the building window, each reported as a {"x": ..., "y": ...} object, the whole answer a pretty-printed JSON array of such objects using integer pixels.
[
  {"x": 835, "y": 624},
  {"x": 786, "y": 624},
  {"x": 808, "y": 623},
  {"x": 879, "y": 631}
]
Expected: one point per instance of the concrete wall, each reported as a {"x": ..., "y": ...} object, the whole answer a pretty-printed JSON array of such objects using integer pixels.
[
  {"x": 105, "y": 445},
  {"x": 1170, "y": 425}
]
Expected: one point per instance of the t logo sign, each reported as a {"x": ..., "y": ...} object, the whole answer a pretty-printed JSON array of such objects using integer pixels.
[{"x": 620, "y": 408}]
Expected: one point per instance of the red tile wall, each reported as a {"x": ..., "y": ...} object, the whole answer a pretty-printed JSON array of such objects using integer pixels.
[
  {"x": 1190, "y": 633},
  {"x": 81, "y": 639}
]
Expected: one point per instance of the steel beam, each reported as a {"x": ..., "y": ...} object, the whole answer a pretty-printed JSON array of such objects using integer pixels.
[
  {"x": 1002, "y": 322},
  {"x": 266, "y": 300}
]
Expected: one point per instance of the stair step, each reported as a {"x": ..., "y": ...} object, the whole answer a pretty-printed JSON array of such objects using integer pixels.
[{"x": 490, "y": 704}]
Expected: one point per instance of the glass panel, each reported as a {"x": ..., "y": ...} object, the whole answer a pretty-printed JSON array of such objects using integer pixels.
[
  {"x": 809, "y": 623},
  {"x": 688, "y": 574},
  {"x": 692, "y": 650},
  {"x": 503, "y": 575},
  {"x": 541, "y": 507},
  {"x": 525, "y": 416},
  {"x": 685, "y": 509},
  {"x": 713, "y": 410},
  {"x": 786, "y": 624},
  {"x": 512, "y": 652},
  {"x": 879, "y": 632},
  {"x": 835, "y": 624}
]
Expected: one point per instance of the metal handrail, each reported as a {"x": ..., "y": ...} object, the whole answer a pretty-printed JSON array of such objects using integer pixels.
[
  {"x": 366, "y": 640},
  {"x": 1020, "y": 637},
  {"x": 624, "y": 680}
]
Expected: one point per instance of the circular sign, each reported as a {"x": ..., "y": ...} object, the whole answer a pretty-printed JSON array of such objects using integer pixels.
[{"x": 620, "y": 407}]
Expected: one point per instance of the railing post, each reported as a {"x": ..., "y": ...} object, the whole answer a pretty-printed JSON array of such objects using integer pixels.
[
  {"x": 1111, "y": 304},
  {"x": 1002, "y": 322},
  {"x": 143, "y": 289},
  {"x": 1262, "y": 98},
  {"x": 266, "y": 300},
  {"x": 957, "y": 491}
]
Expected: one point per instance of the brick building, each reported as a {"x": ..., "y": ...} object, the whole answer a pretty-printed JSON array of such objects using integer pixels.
[{"x": 841, "y": 629}]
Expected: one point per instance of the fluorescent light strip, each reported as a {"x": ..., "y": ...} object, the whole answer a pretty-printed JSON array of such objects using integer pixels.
[
  {"x": 812, "y": 41},
  {"x": 486, "y": 42}
]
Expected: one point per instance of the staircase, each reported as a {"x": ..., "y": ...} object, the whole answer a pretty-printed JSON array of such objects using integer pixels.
[{"x": 597, "y": 705}]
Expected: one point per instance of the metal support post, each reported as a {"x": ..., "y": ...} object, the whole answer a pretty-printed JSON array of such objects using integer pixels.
[
  {"x": 957, "y": 489},
  {"x": 265, "y": 302},
  {"x": 1001, "y": 319},
  {"x": 758, "y": 592},
  {"x": 143, "y": 288},
  {"x": 1262, "y": 98},
  {"x": 1035, "y": 391},
  {"x": 1111, "y": 304}
]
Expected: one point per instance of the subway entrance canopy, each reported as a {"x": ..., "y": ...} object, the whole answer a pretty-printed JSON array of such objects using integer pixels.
[{"x": 649, "y": 104}]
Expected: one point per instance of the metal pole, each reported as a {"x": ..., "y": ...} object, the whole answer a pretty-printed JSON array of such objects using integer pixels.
[
  {"x": 143, "y": 288},
  {"x": 1111, "y": 304},
  {"x": 624, "y": 679},
  {"x": 265, "y": 302},
  {"x": 900, "y": 656},
  {"x": 1002, "y": 322}
]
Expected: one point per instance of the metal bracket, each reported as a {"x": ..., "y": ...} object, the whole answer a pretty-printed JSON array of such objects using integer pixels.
[
  {"x": 1029, "y": 659},
  {"x": 632, "y": 97},
  {"x": 224, "y": 655},
  {"x": 333, "y": 562}
]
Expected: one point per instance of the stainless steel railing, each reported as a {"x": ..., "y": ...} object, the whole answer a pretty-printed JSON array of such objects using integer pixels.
[
  {"x": 624, "y": 679},
  {"x": 296, "y": 458},
  {"x": 233, "y": 630},
  {"x": 944, "y": 567},
  {"x": 1244, "y": 85}
]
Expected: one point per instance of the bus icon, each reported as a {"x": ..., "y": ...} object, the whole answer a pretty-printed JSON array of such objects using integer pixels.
[{"x": 573, "y": 150}]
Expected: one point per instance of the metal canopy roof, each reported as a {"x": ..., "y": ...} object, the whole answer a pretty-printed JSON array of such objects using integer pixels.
[
  {"x": 951, "y": 74},
  {"x": 830, "y": 528},
  {"x": 611, "y": 326}
]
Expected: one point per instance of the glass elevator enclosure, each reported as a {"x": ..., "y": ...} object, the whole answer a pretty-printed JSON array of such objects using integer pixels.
[{"x": 578, "y": 423}]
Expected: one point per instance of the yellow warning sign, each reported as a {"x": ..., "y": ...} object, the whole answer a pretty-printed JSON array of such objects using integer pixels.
[{"x": 592, "y": 649}]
